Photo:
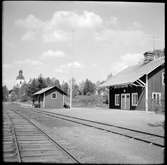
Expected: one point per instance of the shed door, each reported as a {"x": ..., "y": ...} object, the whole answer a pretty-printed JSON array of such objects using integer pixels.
[{"x": 125, "y": 101}]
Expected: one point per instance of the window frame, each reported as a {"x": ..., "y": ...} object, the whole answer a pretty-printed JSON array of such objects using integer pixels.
[
  {"x": 52, "y": 95},
  {"x": 156, "y": 93},
  {"x": 117, "y": 104},
  {"x": 133, "y": 94}
]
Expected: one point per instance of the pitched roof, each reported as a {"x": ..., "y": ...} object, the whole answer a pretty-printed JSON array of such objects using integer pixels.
[
  {"x": 133, "y": 73},
  {"x": 47, "y": 89}
]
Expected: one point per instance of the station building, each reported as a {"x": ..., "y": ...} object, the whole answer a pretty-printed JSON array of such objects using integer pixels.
[{"x": 138, "y": 87}]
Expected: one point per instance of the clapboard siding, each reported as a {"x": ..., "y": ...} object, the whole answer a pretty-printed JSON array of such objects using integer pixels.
[
  {"x": 155, "y": 85},
  {"x": 53, "y": 103}
]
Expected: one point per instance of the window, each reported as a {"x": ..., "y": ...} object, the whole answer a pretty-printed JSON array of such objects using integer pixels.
[
  {"x": 163, "y": 78},
  {"x": 54, "y": 95},
  {"x": 134, "y": 99},
  {"x": 156, "y": 97},
  {"x": 117, "y": 99}
]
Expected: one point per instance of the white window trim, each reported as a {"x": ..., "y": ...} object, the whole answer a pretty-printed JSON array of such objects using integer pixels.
[
  {"x": 133, "y": 104},
  {"x": 52, "y": 95},
  {"x": 163, "y": 78},
  {"x": 117, "y": 95},
  {"x": 157, "y": 93}
]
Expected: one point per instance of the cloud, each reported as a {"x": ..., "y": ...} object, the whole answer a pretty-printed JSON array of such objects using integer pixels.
[
  {"x": 7, "y": 66},
  {"x": 56, "y": 36},
  {"x": 126, "y": 60},
  {"x": 28, "y": 62},
  {"x": 8, "y": 43},
  {"x": 132, "y": 59},
  {"x": 60, "y": 26},
  {"x": 30, "y": 35},
  {"x": 51, "y": 53},
  {"x": 124, "y": 39},
  {"x": 31, "y": 22},
  {"x": 74, "y": 64},
  {"x": 136, "y": 25},
  {"x": 74, "y": 20},
  {"x": 113, "y": 20},
  {"x": 65, "y": 67}
]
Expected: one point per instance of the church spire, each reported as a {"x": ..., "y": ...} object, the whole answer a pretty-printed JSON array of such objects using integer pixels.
[
  {"x": 20, "y": 79},
  {"x": 20, "y": 76}
]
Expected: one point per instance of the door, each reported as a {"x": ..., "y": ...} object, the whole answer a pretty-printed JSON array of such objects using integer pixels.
[
  {"x": 122, "y": 101},
  {"x": 125, "y": 101},
  {"x": 128, "y": 101}
]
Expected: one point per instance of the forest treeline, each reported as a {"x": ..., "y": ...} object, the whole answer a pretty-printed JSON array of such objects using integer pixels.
[{"x": 24, "y": 93}]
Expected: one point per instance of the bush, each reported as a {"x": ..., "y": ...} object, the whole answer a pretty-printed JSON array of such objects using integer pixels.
[
  {"x": 156, "y": 107},
  {"x": 13, "y": 97},
  {"x": 66, "y": 106},
  {"x": 24, "y": 98},
  {"x": 36, "y": 105}
]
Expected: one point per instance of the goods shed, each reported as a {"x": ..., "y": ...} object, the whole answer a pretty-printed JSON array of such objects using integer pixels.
[{"x": 50, "y": 97}]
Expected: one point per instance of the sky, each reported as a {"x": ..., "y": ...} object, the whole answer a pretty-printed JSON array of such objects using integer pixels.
[{"x": 61, "y": 39}]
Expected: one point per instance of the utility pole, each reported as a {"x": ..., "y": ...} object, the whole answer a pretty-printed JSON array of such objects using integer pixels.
[
  {"x": 71, "y": 74},
  {"x": 146, "y": 93},
  {"x": 154, "y": 38},
  {"x": 71, "y": 94}
]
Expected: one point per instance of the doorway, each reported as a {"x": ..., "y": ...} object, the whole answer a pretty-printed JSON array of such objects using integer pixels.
[{"x": 125, "y": 101}]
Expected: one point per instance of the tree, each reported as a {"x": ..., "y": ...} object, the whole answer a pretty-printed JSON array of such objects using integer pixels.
[
  {"x": 16, "y": 92},
  {"x": 42, "y": 82},
  {"x": 89, "y": 87},
  {"x": 5, "y": 93},
  {"x": 81, "y": 88},
  {"x": 24, "y": 92},
  {"x": 49, "y": 82},
  {"x": 57, "y": 83},
  {"x": 33, "y": 86},
  {"x": 65, "y": 87},
  {"x": 13, "y": 96}
]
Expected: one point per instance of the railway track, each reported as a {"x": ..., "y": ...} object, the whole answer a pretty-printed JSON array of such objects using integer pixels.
[
  {"x": 149, "y": 138},
  {"x": 10, "y": 146},
  {"x": 25, "y": 141}
]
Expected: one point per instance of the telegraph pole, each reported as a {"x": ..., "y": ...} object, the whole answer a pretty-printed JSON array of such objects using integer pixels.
[
  {"x": 71, "y": 94},
  {"x": 154, "y": 38},
  {"x": 71, "y": 74}
]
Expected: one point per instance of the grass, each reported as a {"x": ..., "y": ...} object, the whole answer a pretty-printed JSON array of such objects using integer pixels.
[{"x": 87, "y": 101}]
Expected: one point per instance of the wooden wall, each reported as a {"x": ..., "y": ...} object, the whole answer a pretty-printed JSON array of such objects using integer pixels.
[
  {"x": 53, "y": 103},
  {"x": 155, "y": 85},
  {"x": 129, "y": 89}
]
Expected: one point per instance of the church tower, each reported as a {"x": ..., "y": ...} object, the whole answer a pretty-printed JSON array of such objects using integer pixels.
[{"x": 20, "y": 79}]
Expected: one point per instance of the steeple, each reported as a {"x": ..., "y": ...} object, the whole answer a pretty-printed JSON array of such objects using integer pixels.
[
  {"x": 20, "y": 79},
  {"x": 20, "y": 76}
]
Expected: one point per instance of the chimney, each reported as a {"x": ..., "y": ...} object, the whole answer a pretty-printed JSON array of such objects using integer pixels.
[{"x": 148, "y": 56}]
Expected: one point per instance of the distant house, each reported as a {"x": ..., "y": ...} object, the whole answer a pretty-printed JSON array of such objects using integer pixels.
[
  {"x": 50, "y": 97},
  {"x": 139, "y": 87}
]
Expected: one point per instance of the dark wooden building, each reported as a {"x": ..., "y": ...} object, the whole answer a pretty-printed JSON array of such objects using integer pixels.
[
  {"x": 50, "y": 97},
  {"x": 139, "y": 87}
]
